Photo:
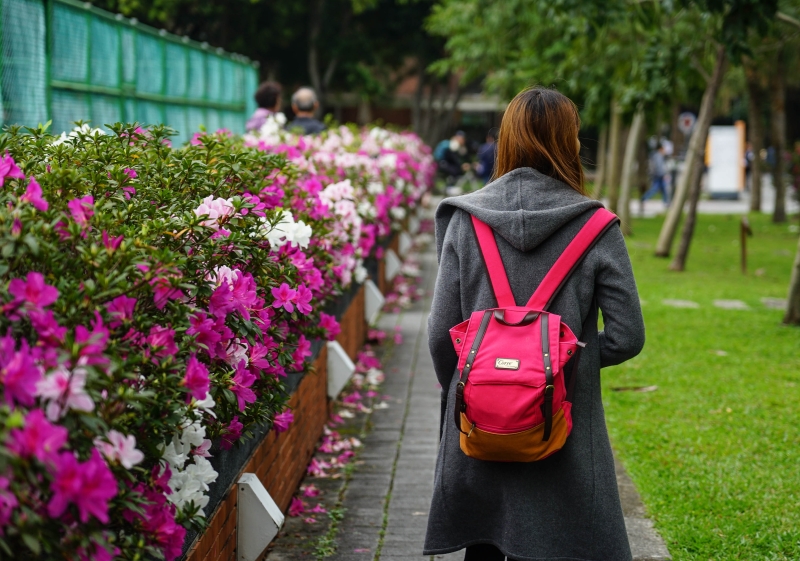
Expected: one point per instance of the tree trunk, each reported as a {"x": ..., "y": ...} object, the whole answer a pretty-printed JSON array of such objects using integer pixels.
[
  {"x": 679, "y": 263},
  {"x": 613, "y": 160},
  {"x": 756, "y": 125},
  {"x": 628, "y": 172},
  {"x": 643, "y": 179},
  {"x": 676, "y": 136},
  {"x": 778, "y": 102},
  {"x": 416, "y": 109},
  {"x": 793, "y": 304},
  {"x": 600, "y": 172},
  {"x": 314, "y": 27},
  {"x": 694, "y": 158}
]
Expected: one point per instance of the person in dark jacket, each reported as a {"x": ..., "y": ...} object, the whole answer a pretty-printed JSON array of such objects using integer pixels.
[
  {"x": 565, "y": 507},
  {"x": 486, "y": 155},
  {"x": 305, "y": 105}
]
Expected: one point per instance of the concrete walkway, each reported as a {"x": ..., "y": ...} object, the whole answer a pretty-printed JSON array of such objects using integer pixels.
[{"x": 387, "y": 499}]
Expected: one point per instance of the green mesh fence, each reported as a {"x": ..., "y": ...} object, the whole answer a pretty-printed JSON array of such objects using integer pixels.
[{"x": 105, "y": 68}]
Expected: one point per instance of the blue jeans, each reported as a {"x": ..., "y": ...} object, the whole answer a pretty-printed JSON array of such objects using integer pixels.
[{"x": 658, "y": 186}]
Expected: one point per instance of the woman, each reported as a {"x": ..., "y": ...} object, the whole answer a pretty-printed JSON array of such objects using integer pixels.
[{"x": 565, "y": 507}]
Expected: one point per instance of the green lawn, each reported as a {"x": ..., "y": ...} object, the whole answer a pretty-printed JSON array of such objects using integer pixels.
[{"x": 715, "y": 451}]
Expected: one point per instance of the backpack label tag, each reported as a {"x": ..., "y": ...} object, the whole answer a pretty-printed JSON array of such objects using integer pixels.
[{"x": 506, "y": 364}]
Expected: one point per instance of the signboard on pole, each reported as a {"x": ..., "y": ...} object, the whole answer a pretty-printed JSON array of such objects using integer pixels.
[
  {"x": 725, "y": 160},
  {"x": 686, "y": 121}
]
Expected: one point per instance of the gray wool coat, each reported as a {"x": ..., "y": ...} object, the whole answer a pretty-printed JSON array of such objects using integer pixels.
[{"x": 567, "y": 506}]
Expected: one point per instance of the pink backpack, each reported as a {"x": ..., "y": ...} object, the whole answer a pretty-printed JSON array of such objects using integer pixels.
[{"x": 512, "y": 402}]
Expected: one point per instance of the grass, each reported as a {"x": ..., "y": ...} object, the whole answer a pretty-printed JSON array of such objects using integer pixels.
[{"x": 715, "y": 451}]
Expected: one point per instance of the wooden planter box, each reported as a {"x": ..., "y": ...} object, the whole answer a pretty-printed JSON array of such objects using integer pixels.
[{"x": 278, "y": 460}]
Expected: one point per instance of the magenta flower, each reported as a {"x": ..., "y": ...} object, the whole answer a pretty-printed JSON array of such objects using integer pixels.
[
  {"x": 33, "y": 195},
  {"x": 282, "y": 421},
  {"x": 330, "y": 325},
  {"x": 241, "y": 385},
  {"x": 8, "y": 503},
  {"x": 88, "y": 485},
  {"x": 93, "y": 343},
  {"x": 46, "y": 326},
  {"x": 16, "y": 227},
  {"x": 33, "y": 290},
  {"x": 121, "y": 310},
  {"x": 19, "y": 374},
  {"x": 8, "y": 168},
  {"x": 162, "y": 341},
  {"x": 163, "y": 291},
  {"x": 205, "y": 332},
  {"x": 302, "y": 351},
  {"x": 98, "y": 552},
  {"x": 82, "y": 210},
  {"x": 37, "y": 438},
  {"x": 120, "y": 448},
  {"x": 259, "y": 355},
  {"x": 128, "y": 192},
  {"x": 111, "y": 244},
  {"x": 221, "y": 301},
  {"x": 131, "y": 173},
  {"x": 284, "y": 297},
  {"x": 196, "y": 378},
  {"x": 244, "y": 293},
  {"x": 231, "y": 433},
  {"x": 159, "y": 522},
  {"x": 303, "y": 299},
  {"x": 296, "y": 508}
]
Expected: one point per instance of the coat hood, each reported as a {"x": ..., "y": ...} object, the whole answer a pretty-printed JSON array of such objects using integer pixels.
[{"x": 524, "y": 206}]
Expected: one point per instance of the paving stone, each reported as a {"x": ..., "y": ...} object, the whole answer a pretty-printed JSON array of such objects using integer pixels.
[
  {"x": 680, "y": 303},
  {"x": 731, "y": 305},
  {"x": 774, "y": 303}
]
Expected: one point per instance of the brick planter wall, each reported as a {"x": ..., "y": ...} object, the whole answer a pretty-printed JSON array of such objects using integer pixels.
[{"x": 280, "y": 460}]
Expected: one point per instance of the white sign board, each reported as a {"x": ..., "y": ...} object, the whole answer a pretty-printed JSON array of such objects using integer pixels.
[{"x": 725, "y": 160}]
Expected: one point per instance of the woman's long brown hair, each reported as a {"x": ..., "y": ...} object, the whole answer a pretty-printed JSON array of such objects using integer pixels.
[{"x": 540, "y": 130}]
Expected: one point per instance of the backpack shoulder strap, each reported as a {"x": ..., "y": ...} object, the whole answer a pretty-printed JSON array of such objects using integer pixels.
[
  {"x": 494, "y": 264},
  {"x": 577, "y": 249}
]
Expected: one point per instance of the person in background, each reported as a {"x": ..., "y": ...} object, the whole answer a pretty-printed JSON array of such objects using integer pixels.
[
  {"x": 304, "y": 105},
  {"x": 658, "y": 169},
  {"x": 268, "y": 98},
  {"x": 452, "y": 161},
  {"x": 486, "y": 154},
  {"x": 749, "y": 156}
]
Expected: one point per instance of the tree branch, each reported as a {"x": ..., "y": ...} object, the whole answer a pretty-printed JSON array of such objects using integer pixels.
[
  {"x": 702, "y": 71},
  {"x": 786, "y": 18}
]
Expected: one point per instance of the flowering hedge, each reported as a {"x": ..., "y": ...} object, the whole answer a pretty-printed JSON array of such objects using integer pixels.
[{"x": 152, "y": 300}]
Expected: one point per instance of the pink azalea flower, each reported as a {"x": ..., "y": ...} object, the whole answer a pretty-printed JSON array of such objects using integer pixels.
[
  {"x": 312, "y": 278},
  {"x": 284, "y": 296},
  {"x": 231, "y": 433},
  {"x": 131, "y": 173},
  {"x": 128, "y": 192},
  {"x": 318, "y": 509},
  {"x": 64, "y": 390},
  {"x": 163, "y": 291},
  {"x": 330, "y": 325},
  {"x": 111, "y": 244},
  {"x": 296, "y": 508},
  {"x": 16, "y": 227},
  {"x": 33, "y": 290},
  {"x": 196, "y": 378},
  {"x": 19, "y": 374},
  {"x": 221, "y": 301},
  {"x": 46, "y": 326},
  {"x": 203, "y": 449},
  {"x": 216, "y": 209},
  {"x": 37, "y": 438},
  {"x": 8, "y": 503},
  {"x": 310, "y": 520},
  {"x": 302, "y": 351},
  {"x": 92, "y": 343},
  {"x": 311, "y": 491},
  {"x": 168, "y": 535},
  {"x": 205, "y": 332},
  {"x": 282, "y": 421},
  {"x": 82, "y": 210},
  {"x": 88, "y": 485},
  {"x": 244, "y": 293},
  {"x": 120, "y": 448},
  {"x": 303, "y": 299},
  {"x": 121, "y": 310},
  {"x": 33, "y": 195},
  {"x": 9, "y": 168},
  {"x": 162, "y": 341},
  {"x": 241, "y": 385},
  {"x": 98, "y": 552}
]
